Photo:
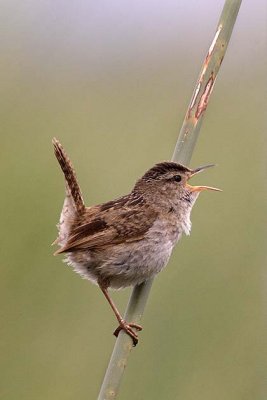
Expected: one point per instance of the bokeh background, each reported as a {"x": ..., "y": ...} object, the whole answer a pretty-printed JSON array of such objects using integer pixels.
[{"x": 112, "y": 80}]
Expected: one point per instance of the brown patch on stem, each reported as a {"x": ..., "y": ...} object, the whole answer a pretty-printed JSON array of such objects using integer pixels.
[
  {"x": 203, "y": 102},
  {"x": 200, "y": 81}
]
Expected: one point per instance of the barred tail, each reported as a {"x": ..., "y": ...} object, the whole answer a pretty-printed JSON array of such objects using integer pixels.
[{"x": 73, "y": 187}]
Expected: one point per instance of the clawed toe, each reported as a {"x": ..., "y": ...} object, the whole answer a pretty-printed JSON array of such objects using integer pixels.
[
  {"x": 128, "y": 329},
  {"x": 136, "y": 326}
]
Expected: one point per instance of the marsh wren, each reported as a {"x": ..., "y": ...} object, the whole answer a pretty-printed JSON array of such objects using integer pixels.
[{"x": 126, "y": 241}]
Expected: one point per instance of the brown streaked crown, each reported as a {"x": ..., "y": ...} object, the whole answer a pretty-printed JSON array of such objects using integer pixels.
[{"x": 162, "y": 168}]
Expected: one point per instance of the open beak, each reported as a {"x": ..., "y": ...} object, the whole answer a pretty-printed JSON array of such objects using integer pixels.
[{"x": 201, "y": 188}]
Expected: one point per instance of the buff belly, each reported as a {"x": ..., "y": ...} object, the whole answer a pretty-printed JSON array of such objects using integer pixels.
[{"x": 121, "y": 267}]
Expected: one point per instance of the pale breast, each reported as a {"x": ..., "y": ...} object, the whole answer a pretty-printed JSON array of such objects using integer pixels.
[
  {"x": 131, "y": 263},
  {"x": 143, "y": 259}
]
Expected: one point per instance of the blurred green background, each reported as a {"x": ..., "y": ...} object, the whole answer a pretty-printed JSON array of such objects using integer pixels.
[{"x": 112, "y": 80}]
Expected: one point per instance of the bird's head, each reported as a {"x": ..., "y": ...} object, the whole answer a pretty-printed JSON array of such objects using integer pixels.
[{"x": 170, "y": 180}]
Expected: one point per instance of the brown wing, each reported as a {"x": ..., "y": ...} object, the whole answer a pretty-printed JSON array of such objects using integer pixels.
[{"x": 124, "y": 220}]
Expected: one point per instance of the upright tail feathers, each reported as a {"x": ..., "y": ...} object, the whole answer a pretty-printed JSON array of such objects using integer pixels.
[{"x": 73, "y": 188}]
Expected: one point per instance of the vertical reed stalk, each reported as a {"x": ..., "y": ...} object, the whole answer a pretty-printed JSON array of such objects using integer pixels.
[{"x": 182, "y": 153}]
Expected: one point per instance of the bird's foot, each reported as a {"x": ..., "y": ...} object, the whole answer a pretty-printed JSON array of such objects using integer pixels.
[{"x": 128, "y": 329}]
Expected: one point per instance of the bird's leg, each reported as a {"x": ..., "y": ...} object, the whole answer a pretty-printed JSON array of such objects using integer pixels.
[{"x": 123, "y": 325}]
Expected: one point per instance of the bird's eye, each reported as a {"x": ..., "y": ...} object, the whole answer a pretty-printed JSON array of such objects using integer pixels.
[{"x": 177, "y": 178}]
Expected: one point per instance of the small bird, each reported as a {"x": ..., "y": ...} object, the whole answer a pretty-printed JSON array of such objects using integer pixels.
[{"x": 126, "y": 241}]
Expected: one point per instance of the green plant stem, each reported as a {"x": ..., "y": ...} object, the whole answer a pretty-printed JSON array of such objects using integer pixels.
[
  {"x": 205, "y": 83},
  {"x": 182, "y": 153}
]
